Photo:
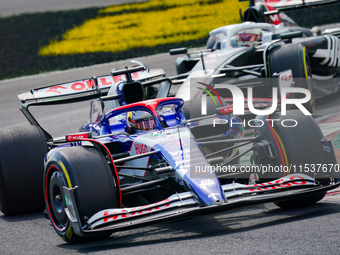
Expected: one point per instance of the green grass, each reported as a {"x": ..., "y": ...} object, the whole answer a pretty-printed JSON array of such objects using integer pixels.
[{"x": 22, "y": 36}]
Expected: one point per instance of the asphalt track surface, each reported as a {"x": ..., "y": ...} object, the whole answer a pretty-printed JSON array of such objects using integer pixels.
[
  {"x": 14, "y": 7},
  {"x": 262, "y": 229}
]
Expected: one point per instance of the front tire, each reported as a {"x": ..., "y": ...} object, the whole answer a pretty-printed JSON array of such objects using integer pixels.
[
  {"x": 296, "y": 146},
  {"x": 88, "y": 169}
]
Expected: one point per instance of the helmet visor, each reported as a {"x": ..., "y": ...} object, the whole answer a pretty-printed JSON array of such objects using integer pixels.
[
  {"x": 145, "y": 124},
  {"x": 248, "y": 37}
]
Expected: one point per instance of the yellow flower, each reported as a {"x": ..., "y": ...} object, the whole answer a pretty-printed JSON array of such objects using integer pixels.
[{"x": 147, "y": 24}]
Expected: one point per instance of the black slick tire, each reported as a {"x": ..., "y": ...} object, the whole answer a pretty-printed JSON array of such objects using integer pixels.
[
  {"x": 294, "y": 57},
  {"x": 86, "y": 168},
  {"x": 296, "y": 147},
  {"x": 22, "y": 152}
]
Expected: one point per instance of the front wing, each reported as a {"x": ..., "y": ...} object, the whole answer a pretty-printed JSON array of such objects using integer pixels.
[{"x": 185, "y": 204}]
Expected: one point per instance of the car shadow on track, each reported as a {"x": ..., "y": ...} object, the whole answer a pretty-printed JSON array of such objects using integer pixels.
[
  {"x": 228, "y": 223},
  {"x": 23, "y": 218}
]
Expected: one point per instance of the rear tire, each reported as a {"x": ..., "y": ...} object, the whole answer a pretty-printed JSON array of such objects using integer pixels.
[
  {"x": 297, "y": 146},
  {"x": 88, "y": 169},
  {"x": 294, "y": 57},
  {"x": 22, "y": 152}
]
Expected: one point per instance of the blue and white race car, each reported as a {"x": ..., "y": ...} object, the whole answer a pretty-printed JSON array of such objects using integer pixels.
[{"x": 140, "y": 161}]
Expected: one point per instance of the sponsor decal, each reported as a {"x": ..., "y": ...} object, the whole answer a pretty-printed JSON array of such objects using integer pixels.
[
  {"x": 84, "y": 85},
  {"x": 75, "y": 137},
  {"x": 141, "y": 148},
  {"x": 280, "y": 184},
  {"x": 151, "y": 103},
  {"x": 78, "y": 143},
  {"x": 275, "y": 18},
  {"x": 286, "y": 79},
  {"x": 123, "y": 214},
  {"x": 205, "y": 183}
]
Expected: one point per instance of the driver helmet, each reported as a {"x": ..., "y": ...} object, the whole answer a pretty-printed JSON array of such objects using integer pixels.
[
  {"x": 248, "y": 37},
  {"x": 140, "y": 120}
]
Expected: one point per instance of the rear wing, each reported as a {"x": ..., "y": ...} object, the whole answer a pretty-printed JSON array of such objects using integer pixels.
[
  {"x": 294, "y": 4},
  {"x": 88, "y": 88},
  {"x": 289, "y": 4},
  {"x": 137, "y": 78}
]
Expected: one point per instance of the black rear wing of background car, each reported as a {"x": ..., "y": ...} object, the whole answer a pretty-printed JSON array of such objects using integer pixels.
[
  {"x": 291, "y": 4},
  {"x": 306, "y": 13}
]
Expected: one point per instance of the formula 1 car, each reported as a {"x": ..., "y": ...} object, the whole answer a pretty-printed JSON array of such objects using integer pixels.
[
  {"x": 290, "y": 4},
  {"x": 255, "y": 54},
  {"x": 143, "y": 162}
]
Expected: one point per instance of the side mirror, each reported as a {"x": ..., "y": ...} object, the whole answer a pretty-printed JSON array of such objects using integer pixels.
[
  {"x": 291, "y": 35},
  {"x": 178, "y": 51}
]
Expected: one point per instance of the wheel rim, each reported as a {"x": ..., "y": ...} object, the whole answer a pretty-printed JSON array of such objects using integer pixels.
[{"x": 55, "y": 198}]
